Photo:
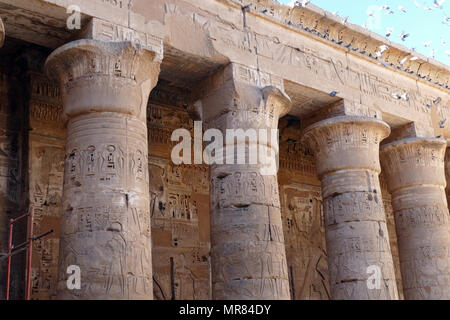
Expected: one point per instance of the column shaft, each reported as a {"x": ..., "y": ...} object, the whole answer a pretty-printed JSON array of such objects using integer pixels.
[
  {"x": 415, "y": 171},
  {"x": 105, "y": 221},
  {"x": 248, "y": 253},
  {"x": 447, "y": 172},
  {"x": 247, "y": 242},
  {"x": 359, "y": 257},
  {"x": 2, "y": 33}
]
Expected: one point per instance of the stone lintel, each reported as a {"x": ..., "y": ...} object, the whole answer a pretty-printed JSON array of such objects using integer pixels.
[
  {"x": 98, "y": 29},
  {"x": 410, "y": 130},
  {"x": 341, "y": 108}
]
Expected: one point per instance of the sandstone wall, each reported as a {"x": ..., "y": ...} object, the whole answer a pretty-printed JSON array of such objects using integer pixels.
[
  {"x": 301, "y": 203},
  {"x": 46, "y": 172},
  {"x": 303, "y": 226},
  {"x": 179, "y": 207}
]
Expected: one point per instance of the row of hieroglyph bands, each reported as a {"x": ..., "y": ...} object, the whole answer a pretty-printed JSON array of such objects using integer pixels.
[{"x": 105, "y": 87}]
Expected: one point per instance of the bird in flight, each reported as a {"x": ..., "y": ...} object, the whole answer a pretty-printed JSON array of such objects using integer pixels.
[
  {"x": 389, "y": 32},
  {"x": 404, "y": 35},
  {"x": 401, "y": 8},
  {"x": 438, "y": 4}
]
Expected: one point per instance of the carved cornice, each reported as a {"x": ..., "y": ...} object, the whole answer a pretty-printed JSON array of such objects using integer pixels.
[
  {"x": 328, "y": 28},
  {"x": 414, "y": 161},
  {"x": 346, "y": 143}
]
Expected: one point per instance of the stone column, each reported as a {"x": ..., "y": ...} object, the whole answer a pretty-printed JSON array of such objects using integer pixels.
[
  {"x": 105, "y": 221},
  {"x": 415, "y": 172},
  {"x": 447, "y": 171},
  {"x": 2, "y": 33},
  {"x": 247, "y": 243},
  {"x": 346, "y": 149}
]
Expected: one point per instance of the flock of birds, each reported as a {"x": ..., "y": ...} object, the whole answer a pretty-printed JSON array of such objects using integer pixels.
[
  {"x": 436, "y": 5},
  {"x": 403, "y": 35}
]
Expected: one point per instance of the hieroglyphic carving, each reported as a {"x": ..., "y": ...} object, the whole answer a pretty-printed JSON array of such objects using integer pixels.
[
  {"x": 244, "y": 187},
  {"x": 106, "y": 31},
  {"x": 106, "y": 201},
  {"x": 167, "y": 116},
  {"x": 42, "y": 89},
  {"x": 414, "y": 169},
  {"x": 119, "y": 221},
  {"x": 116, "y": 3},
  {"x": 247, "y": 243},
  {"x": 178, "y": 207},
  {"x": 256, "y": 77},
  {"x": 332, "y": 71},
  {"x": 46, "y": 180},
  {"x": 179, "y": 202},
  {"x": 296, "y": 157},
  {"x": 304, "y": 232},
  {"x": 321, "y": 27},
  {"x": 241, "y": 102},
  {"x": 357, "y": 235},
  {"x": 9, "y": 167},
  {"x": 46, "y": 112}
]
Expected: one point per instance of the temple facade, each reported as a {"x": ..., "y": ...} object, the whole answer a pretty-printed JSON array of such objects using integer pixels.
[{"x": 92, "y": 92}]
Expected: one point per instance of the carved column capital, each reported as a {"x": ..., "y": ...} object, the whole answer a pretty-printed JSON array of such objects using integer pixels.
[
  {"x": 414, "y": 169},
  {"x": 414, "y": 161},
  {"x": 346, "y": 142},
  {"x": 2, "y": 33},
  {"x": 98, "y": 76},
  {"x": 242, "y": 97}
]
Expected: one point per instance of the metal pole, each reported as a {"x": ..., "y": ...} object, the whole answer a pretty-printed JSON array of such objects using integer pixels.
[
  {"x": 20, "y": 218},
  {"x": 8, "y": 270},
  {"x": 30, "y": 251},
  {"x": 23, "y": 247}
]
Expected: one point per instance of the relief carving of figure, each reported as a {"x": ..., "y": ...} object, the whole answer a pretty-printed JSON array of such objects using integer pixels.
[{"x": 116, "y": 255}]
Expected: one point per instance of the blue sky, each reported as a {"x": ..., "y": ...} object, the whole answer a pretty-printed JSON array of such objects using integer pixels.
[{"x": 422, "y": 25}]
